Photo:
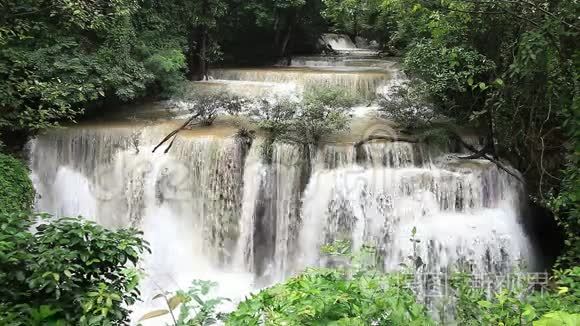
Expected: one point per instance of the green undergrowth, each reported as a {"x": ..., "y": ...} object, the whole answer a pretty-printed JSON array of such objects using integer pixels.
[{"x": 16, "y": 190}]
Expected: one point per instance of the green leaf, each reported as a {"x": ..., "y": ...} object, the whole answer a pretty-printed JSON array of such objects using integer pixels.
[
  {"x": 485, "y": 304},
  {"x": 562, "y": 290}
]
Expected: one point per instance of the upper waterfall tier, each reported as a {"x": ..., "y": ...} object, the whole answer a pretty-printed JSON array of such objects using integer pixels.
[
  {"x": 338, "y": 41},
  {"x": 343, "y": 44},
  {"x": 246, "y": 89},
  {"x": 340, "y": 61},
  {"x": 362, "y": 81}
]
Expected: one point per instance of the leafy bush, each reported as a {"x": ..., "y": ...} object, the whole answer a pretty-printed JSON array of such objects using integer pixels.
[
  {"x": 332, "y": 297},
  {"x": 558, "y": 318},
  {"x": 16, "y": 191},
  {"x": 324, "y": 111},
  {"x": 207, "y": 107},
  {"x": 520, "y": 304},
  {"x": 408, "y": 108},
  {"x": 353, "y": 294},
  {"x": 168, "y": 66},
  {"x": 196, "y": 306},
  {"x": 66, "y": 271},
  {"x": 321, "y": 112},
  {"x": 448, "y": 73}
]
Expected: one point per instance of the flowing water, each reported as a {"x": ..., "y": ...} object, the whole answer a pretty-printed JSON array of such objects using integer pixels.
[
  {"x": 216, "y": 207},
  {"x": 363, "y": 81}
]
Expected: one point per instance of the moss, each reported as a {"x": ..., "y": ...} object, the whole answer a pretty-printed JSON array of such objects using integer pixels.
[{"x": 16, "y": 190}]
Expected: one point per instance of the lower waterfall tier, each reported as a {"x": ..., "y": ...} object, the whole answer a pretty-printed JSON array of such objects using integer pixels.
[{"x": 214, "y": 207}]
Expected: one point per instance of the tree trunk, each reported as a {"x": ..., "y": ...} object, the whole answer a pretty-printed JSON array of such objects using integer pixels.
[
  {"x": 192, "y": 57},
  {"x": 197, "y": 61},
  {"x": 293, "y": 17},
  {"x": 277, "y": 29},
  {"x": 197, "y": 54},
  {"x": 203, "y": 64},
  {"x": 492, "y": 140}
]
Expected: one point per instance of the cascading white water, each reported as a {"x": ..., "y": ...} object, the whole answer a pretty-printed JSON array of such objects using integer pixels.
[
  {"x": 244, "y": 88},
  {"x": 339, "y": 61},
  {"x": 461, "y": 214},
  {"x": 216, "y": 208},
  {"x": 255, "y": 177},
  {"x": 362, "y": 81},
  {"x": 466, "y": 215},
  {"x": 343, "y": 44},
  {"x": 187, "y": 202},
  {"x": 338, "y": 41}
]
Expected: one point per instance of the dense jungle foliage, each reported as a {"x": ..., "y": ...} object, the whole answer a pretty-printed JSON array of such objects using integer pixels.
[{"x": 508, "y": 68}]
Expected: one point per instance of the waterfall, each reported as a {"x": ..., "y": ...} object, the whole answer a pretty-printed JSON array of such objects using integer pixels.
[
  {"x": 188, "y": 202},
  {"x": 255, "y": 177},
  {"x": 214, "y": 207},
  {"x": 338, "y": 41},
  {"x": 339, "y": 61},
  {"x": 245, "y": 89},
  {"x": 362, "y": 81},
  {"x": 287, "y": 163},
  {"x": 461, "y": 215},
  {"x": 343, "y": 44}
]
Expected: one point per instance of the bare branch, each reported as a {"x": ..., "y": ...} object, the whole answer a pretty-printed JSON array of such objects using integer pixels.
[
  {"x": 499, "y": 164},
  {"x": 174, "y": 133},
  {"x": 387, "y": 138}
]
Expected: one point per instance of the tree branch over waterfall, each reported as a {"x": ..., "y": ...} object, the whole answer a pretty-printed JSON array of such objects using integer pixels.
[
  {"x": 174, "y": 133},
  {"x": 483, "y": 154},
  {"x": 477, "y": 154},
  {"x": 386, "y": 138}
]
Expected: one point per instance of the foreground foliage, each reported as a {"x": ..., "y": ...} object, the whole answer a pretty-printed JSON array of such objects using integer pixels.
[
  {"x": 197, "y": 306},
  {"x": 331, "y": 297},
  {"x": 354, "y": 292},
  {"x": 66, "y": 271},
  {"x": 359, "y": 294},
  {"x": 16, "y": 191},
  {"x": 519, "y": 304}
]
